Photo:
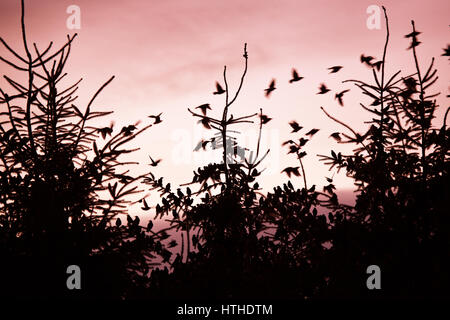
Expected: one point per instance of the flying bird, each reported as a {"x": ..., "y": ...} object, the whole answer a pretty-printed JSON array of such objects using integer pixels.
[
  {"x": 157, "y": 118},
  {"x": 203, "y": 108},
  {"x": 219, "y": 89},
  {"x": 291, "y": 170},
  {"x": 270, "y": 88},
  {"x": 205, "y": 123},
  {"x": 293, "y": 149},
  {"x": 414, "y": 43},
  {"x": 128, "y": 130},
  {"x": 410, "y": 83},
  {"x": 154, "y": 163},
  {"x": 339, "y": 96},
  {"x": 303, "y": 141},
  {"x": 295, "y": 76},
  {"x": 295, "y": 126},
  {"x": 366, "y": 59},
  {"x": 312, "y": 132},
  {"x": 106, "y": 131},
  {"x": 145, "y": 207},
  {"x": 323, "y": 89},
  {"x": 377, "y": 65},
  {"x": 335, "y": 69},
  {"x": 264, "y": 118},
  {"x": 336, "y": 136},
  {"x": 413, "y": 34}
]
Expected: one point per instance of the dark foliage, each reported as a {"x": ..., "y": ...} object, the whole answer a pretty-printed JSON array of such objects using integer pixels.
[{"x": 61, "y": 191}]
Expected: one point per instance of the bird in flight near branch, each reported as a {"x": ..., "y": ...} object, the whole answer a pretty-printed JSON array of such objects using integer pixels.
[
  {"x": 291, "y": 170},
  {"x": 203, "y": 108},
  {"x": 270, "y": 88},
  {"x": 154, "y": 163},
  {"x": 366, "y": 59},
  {"x": 219, "y": 89},
  {"x": 264, "y": 118},
  {"x": 157, "y": 118},
  {"x": 339, "y": 96}
]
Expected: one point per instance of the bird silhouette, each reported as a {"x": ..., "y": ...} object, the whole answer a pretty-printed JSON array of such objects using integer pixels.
[
  {"x": 303, "y": 141},
  {"x": 335, "y": 69},
  {"x": 323, "y": 89},
  {"x": 205, "y": 123},
  {"x": 339, "y": 96},
  {"x": 377, "y": 65},
  {"x": 157, "y": 118},
  {"x": 293, "y": 149},
  {"x": 376, "y": 102},
  {"x": 203, "y": 108},
  {"x": 366, "y": 59},
  {"x": 411, "y": 88},
  {"x": 106, "y": 130},
  {"x": 145, "y": 207},
  {"x": 154, "y": 163},
  {"x": 410, "y": 84},
  {"x": 295, "y": 126},
  {"x": 295, "y": 76},
  {"x": 264, "y": 118},
  {"x": 128, "y": 130},
  {"x": 270, "y": 88},
  {"x": 291, "y": 170},
  {"x": 336, "y": 136},
  {"x": 219, "y": 89},
  {"x": 413, "y": 34},
  {"x": 312, "y": 132},
  {"x": 414, "y": 43}
]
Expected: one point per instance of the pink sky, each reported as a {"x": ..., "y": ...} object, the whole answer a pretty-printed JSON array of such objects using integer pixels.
[{"x": 167, "y": 55}]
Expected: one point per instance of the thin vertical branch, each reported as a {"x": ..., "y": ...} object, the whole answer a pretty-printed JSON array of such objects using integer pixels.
[
  {"x": 421, "y": 108},
  {"x": 381, "y": 147},
  {"x": 30, "y": 81},
  {"x": 225, "y": 112},
  {"x": 303, "y": 170},
  {"x": 224, "y": 128}
]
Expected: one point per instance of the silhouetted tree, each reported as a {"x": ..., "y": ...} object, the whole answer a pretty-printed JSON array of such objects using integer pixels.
[{"x": 61, "y": 189}]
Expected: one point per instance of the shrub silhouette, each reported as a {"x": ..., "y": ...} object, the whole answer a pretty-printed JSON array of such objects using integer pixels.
[
  {"x": 61, "y": 192},
  {"x": 400, "y": 221},
  {"x": 248, "y": 244}
]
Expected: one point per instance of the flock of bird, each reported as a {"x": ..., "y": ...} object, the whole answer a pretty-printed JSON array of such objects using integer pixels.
[{"x": 323, "y": 89}]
